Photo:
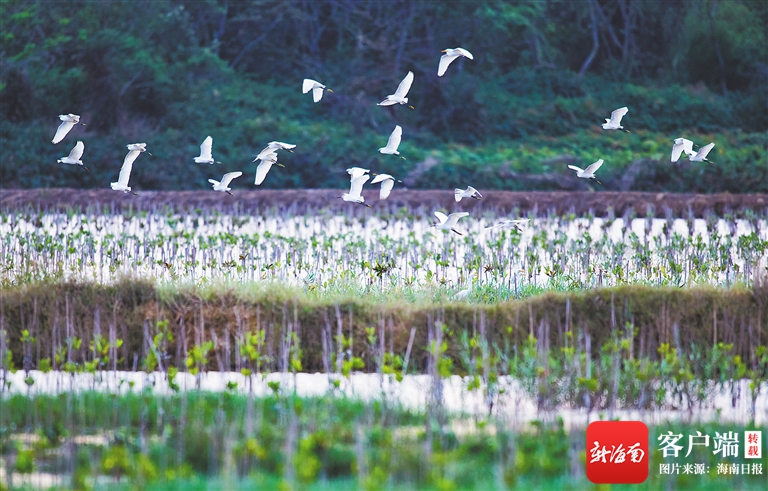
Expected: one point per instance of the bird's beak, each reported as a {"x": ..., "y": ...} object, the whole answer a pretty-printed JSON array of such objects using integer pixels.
[
  {"x": 443, "y": 51},
  {"x": 281, "y": 165},
  {"x": 403, "y": 158},
  {"x": 150, "y": 153},
  {"x": 230, "y": 193},
  {"x": 412, "y": 107},
  {"x": 134, "y": 193},
  {"x": 86, "y": 168},
  {"x": 83, "y": 124},
  {"x": 477, "y": 198},
  {"x": 329, "y": 90},
  {"x": 290, "y": 150}
]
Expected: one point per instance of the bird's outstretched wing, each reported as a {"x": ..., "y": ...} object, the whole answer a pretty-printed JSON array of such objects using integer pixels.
[
  {"x": 205, "y": 149},
  {"x": 308, "y": 85},
  {"x": 405, "y": 85},
  {"x": 62, "y": 131},
  {"x": 465, "y": 53},
  {"x": 593, "y": 168},
  {"x": 457, "y": 193},
  {"x": 386, "y": 188},
  {"x": 688, "y": 147},
  {"x": 493, "y": 227},
  {"x": 355, "y": 172},
  {"x": 381, "y": 177},
  {"x": 445, "y": 60},
  {"x": 280, "y": 145},
  {"x": 394, "y": 138},
  {"x": 261, "y": 171},
  {"x": 356, "y": 184},
  {"x": 677, "y": 149},
  {"x": 77, "y": 151},
  {"x": 577, "y": 169},
  {"x": 386, "y": 102},
  {"x": 474, "y": 191},
  {"x": 125, "y": 170},
  {"x": 441, "y": 216},
  {"x": 703, "y": 151},
  {"x": 618, "y": 114},
  {"x": 214, "y": 182},
  {"x": 453, "y": 218},
  {"x": 229, "y": 176},
  {"x": 317, "y": 94}
]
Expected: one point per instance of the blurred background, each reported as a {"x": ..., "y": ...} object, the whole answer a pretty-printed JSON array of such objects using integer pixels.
[{"x": 545, "y": 74}]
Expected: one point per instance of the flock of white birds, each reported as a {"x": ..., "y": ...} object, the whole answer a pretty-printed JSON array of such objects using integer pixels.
[{"x": 359, "y": 176}]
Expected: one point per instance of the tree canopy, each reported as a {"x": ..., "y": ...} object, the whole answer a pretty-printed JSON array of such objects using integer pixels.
[{"x": 544, "y": 74}]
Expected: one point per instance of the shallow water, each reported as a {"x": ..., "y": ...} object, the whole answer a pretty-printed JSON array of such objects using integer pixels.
[{"x": 514, "y": 405}]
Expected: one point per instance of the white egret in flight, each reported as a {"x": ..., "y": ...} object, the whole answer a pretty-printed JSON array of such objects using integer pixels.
[
  {"x": 125, "y": 170},
  {"x": 470, "y": 192},
  {"x": 399, "y": 97},
  {"x": 589, "y": 172},
  {"x": 393, "y": 143},
  {"x": 450, "y": 55},
  {"x": 701, "y": 155},
  {"x": 615, "y": 122},
  {"x": 224, "y": 184},
  {"x": 316, "y": 87},
  {"x": 355, "y": 190},
  {"x": 74, "y": 156},
  {"x": 68, "y": 121},
  {"x": 450, "y": 221},
  {"x": 387, "y": 183},
  {"x": 206, "y": 149},
  {"x": 516, "y": 224}
]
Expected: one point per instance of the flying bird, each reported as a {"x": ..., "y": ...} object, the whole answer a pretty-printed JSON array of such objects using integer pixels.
[
  {"x": 74, "y": 156},
  {"x": 701, "y": 155},
  {"x": 224, "y": 184},
  {"x": 387, "y": 183},
  {"x": 316, "y": 87},
  {"x": 681, "y": 145},
  {"x": 516, "y": 224},
  {"x": 470, "y": 192},
  {"x": 589, "y": 172},
  {"x": 125, "y": 170},
  {"x": 355, "y": 190},
  {"x": 450, "y": 55},
  {"x": 615, "y": 122},
  {"x": 357, "y": 172},
  {"x": 450, "y": 221},
  {"x": 267, "y": 161},
  {"x": 399, "y": 97},
  {"x": 206, "y": 155},
  {"x": 68, "y": 121},
  {"x": 393, "y": 143}
]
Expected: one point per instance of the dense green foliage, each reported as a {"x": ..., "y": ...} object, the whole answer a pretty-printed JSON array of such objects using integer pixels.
[
  {"x": 145, "y": 441},
  {"x": 545, "y": 74}
]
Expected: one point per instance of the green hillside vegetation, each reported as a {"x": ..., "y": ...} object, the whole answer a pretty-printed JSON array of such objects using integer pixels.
[{"x": 545, "y": 74}]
